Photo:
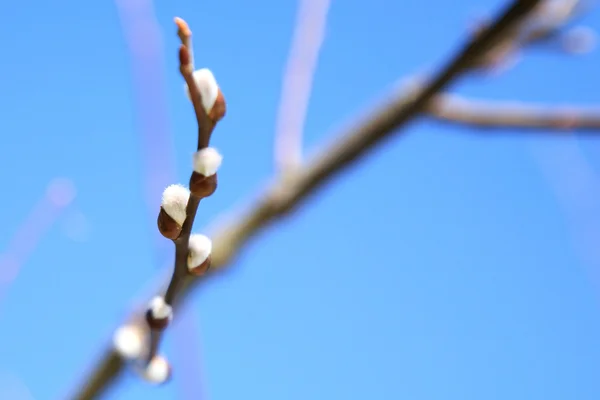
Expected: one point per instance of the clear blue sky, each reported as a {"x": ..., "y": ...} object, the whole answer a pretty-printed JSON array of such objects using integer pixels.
[{"x": 446, "y": 265}]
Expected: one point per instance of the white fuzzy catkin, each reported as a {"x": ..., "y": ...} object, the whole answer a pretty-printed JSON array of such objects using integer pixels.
[
  {"x": 174, "y": 202},
  {"x": 159, "y": 309},
  {"x": 207, "y": 161},
  {"x": 157, "y": 371},
  {"x": 200, "y": 248},
  {"x": 128, "y": 342},
  {"x": 208, "y": 87}
]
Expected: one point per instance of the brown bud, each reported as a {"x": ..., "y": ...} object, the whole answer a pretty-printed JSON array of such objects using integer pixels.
[
  {"x": 167, "y": 226},
  {"x": 156, "y": 323},
  {"x": 202, "y": 186},
  {"x": 218, "y": 110},
  {"x": 184, "y": 56},
  {"x": 201, "y": 269}
]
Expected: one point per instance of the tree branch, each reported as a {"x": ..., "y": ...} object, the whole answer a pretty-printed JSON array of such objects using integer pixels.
[
  {"x": 289, "y": 191},
  {"x": 498, "y": 115}
]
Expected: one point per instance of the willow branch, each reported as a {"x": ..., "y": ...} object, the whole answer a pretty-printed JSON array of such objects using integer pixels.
[
  {"x": 290, "y": 191},
  {"x": 206, "y": 125},
  {"x": 481, "y": 114}
]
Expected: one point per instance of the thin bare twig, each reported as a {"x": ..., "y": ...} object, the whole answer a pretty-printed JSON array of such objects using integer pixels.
[
  {"x": 502, "y": 115},
  {"x": 297, "y": 82},
  {"x": 544, "y": 25},
  {"x": 288, "y": 192}
]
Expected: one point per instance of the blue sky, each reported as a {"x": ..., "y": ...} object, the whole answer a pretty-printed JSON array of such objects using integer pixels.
[{"x": 445, "y": 265}]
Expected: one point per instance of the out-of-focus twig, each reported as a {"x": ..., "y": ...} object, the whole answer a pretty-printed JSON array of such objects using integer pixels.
[
  {"x": 287, "y": 193},
  {"x": 545, "y": 24},
  {"x": 308, "y": 36},
  {"x": 514, "y": 115},
  {"x": 577, "y": 188},
  {"x": 58, "y": 196}
]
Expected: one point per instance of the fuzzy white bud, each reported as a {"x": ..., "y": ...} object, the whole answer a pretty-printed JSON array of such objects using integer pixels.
[
  {"x": 200, "y": 248},
  {"x": 159, "y": 309},
  {"x": 157, "y": 371},
  {"x": 207, "y": 161},
  {"x": 208, "y": 87},
  {"x": 128, "y": 342},
  {"x": 174, "y": 202}
]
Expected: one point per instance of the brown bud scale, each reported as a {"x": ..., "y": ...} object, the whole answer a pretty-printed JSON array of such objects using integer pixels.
[
  {"x": 218, "y": 110},
  {"x": 156, "y": 323},
  {"x": 202, "y": 186},
  {"x": 201, "y": 269},
  {"x": 167, "y": 226}
]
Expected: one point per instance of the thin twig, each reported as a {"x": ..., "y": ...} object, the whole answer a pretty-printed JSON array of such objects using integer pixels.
[
  {"x": 142, "y": 33},
  {"x": 186, "y": 68},
  {"x": 503, "y": 115},
  {"x": 297, "y": 82},
  {"x": 205, "y": 128},
  {"x": 289, "y": 192},
  {"x": 185, "y": 36}
]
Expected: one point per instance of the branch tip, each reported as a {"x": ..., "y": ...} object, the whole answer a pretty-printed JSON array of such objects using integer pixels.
[{"x": 183, "y": 28}]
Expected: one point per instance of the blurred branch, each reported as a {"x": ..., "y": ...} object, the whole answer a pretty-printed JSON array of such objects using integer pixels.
[
  {"x": 576, "y": 186},
  {"x": 58, "y": 196},
  {"x": 545, "y": 25},
  {"x": 289, "y": 191},
  {"x": 489, "y": 115},
  {"x": 297, "y": 82}
]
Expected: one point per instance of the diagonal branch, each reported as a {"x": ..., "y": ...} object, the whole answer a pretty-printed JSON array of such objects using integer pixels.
[
  {"x": 297, "y": 82},
  {"x": 290, "y": 191},
  {"x": 502, "y": 115}
]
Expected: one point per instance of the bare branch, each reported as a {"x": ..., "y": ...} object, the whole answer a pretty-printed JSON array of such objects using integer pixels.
[
  {"x": 497, "y": 115},
  {"x": 185, "y": 35},
  {"x": 297, "y": 82},
  {"x": 290, "y": 191}
]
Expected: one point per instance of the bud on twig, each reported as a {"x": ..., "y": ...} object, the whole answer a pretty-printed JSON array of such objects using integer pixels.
[
  {"x": 157, "y": 371},
  {"x": 128, "y": 341},
  {"x": 213, "y": 100},
  {"x": 200, "y": 247},
  {"x": 172, "y": 211},
  {"x": 159, "y": 313},
  {"x": 203, "y": 181}
]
